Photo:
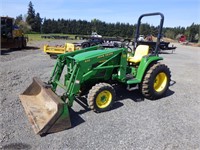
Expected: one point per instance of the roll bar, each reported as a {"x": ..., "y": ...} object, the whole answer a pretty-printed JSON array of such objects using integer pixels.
[{"x": 159, "y": 31}]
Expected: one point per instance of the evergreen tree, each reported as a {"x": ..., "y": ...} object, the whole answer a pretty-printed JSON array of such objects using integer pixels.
[
  {"x": 33, "y": 20},
  {"x": 199, "y": 35},
  {"x": 82, "y": 27},
  {"x": 31, "y": 16},
  {"x": 193, "y": 30},
  {"x": 18, "y": 19},
  {"x": 38, "y": 22}
]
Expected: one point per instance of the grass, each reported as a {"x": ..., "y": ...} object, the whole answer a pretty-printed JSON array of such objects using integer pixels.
[
  {"x": 34, "y": 37},
  {"x": 37, "y": 37}
]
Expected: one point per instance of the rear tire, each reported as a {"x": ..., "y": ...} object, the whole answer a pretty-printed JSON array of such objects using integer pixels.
[
  {"x": 24, "y": 43},
  {"x": 101, "y": 97},
  {"x": 156, "y": 81},
  {"x": 85, "y": 44}
]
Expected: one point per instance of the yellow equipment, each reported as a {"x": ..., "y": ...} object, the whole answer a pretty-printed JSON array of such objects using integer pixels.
[
  {"x": 68, "y": 47},
  {"x": 11, "y": 35}
]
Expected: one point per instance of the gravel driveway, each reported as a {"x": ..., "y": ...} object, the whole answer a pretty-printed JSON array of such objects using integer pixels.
[{"x": 170, "y": 123}]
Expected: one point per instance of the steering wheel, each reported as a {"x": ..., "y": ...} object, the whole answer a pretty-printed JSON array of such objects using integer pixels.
[{"x": 126, "y": 44}]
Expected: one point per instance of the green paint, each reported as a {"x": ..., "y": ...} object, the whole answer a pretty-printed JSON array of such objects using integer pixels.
[
  {"x": 142, "y": 68},
  {"x": 93, "y": 65}
]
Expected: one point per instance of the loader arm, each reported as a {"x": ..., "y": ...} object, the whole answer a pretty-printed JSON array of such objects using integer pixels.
[
  {"x": 92, "y": 65},
  {"x": 62, "y": 61},
  {"x": 46, "y": 111}
]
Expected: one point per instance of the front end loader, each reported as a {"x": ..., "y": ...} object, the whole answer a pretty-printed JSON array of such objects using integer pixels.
[{"x": 92, "y": 72}]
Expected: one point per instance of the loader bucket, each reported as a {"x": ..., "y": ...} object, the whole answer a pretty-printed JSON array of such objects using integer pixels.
[{"x": 45, "y": 110}]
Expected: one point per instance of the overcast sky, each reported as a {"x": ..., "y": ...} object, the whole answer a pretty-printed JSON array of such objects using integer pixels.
[{"x": 176, "y": 12}]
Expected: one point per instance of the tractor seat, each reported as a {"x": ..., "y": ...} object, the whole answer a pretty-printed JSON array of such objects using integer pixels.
[{"x": 141, "y": 50}]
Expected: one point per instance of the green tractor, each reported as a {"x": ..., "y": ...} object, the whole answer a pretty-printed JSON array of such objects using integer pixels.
[{"x": 95, "y": 70}]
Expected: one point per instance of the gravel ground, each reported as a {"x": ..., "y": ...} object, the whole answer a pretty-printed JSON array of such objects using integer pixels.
[{"x": 170, "y": 123}]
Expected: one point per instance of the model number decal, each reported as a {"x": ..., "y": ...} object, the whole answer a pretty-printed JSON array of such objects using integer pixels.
[
  {"x": 108, "y": 54},
  {"x": 100, "y": 56},
  {"x": 87, "y": 60}
]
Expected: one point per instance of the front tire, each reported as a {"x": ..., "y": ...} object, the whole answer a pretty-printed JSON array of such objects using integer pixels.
[
  {"x": 101, "y": 97},
  {"x": 156, "y": 81}
]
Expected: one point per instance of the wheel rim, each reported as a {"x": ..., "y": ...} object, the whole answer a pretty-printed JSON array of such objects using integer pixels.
[
  {"x": 103, "y": 99},
  {"x": 160, "y": 82}
]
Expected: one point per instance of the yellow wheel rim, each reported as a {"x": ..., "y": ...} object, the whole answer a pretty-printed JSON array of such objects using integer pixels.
[
  {"x": 160, "y": 82},
  {"x": 103, "y": 99}
]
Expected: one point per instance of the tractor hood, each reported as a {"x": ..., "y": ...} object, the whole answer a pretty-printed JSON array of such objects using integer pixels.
[{"x": 95, "y": 53}]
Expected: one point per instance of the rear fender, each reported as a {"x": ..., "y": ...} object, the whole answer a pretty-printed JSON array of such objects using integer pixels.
[{"x": 144, "y": 64}]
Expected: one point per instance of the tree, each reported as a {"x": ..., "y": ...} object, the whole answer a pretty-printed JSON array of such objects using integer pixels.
[
  {"x": 38, "y": 22},
  {"x": 145, "y": 29},
  {"x": 82, "y": 27},
  {"x": 199, "y": 33},
  {"x": 33, "y": 20},
  {"x": 31, "y": 16},
  {"x": 45, "y": 28},
  {"x": 24, "y": 26},
  {"x": 18, "y": 19},
  {"x": 95, "y": 23},
  {"x": 192, "y": 31},
  {"x": 170, "y": 34}
]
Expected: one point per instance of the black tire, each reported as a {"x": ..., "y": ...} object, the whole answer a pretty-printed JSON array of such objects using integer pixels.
[
  {"x": 93, "y": 44},
  {"x": 24, "y": 43},
  {"x": 85, "y": 44},
  {"x": 156, "y": 81},
  {"x": 53, "y": 56},
  {"x": 101, "y": 97},
  {"x": 18, "y": 43}
]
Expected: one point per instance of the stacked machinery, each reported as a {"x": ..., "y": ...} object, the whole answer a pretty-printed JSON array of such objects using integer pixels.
[{"x": 11, "y": 35}]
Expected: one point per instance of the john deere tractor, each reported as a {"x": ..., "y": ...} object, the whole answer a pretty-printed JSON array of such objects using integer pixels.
[{"x": 94, "y": 69}]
